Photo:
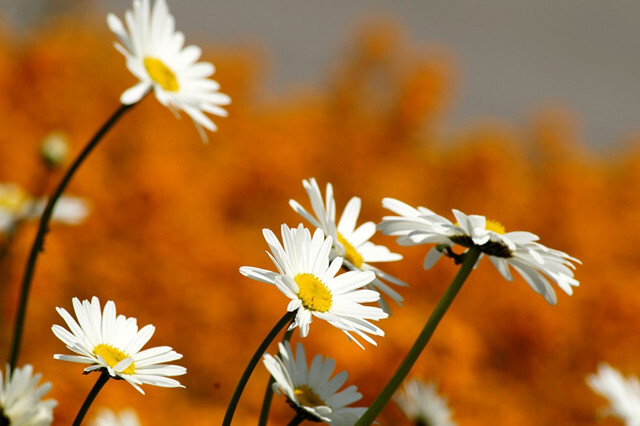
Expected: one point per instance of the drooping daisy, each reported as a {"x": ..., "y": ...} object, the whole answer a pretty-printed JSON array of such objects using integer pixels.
[
  {"x": 623, "y": 393},
  {"x": 112, "y": 343},
  {"x": 156, "y": 55},
  {"x": 16, "y": 206},
  {"x": 306, "y": 276},
  {"x": 535, "y": 262},
  {"x": 421, "y": 403},
  {"x": 20, "y": 399},
  {"x": 107, "y": 417},
  {"x": 311, "y": 391},
  {"x": 349, "y": 242}
]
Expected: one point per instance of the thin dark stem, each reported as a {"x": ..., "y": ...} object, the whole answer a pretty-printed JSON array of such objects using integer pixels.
[
  {"x": 470, "y": 259},
  {"x": 268, "y": 393},
  {"x": 43, "y": 227},
  {"x": 299, "y": 418},
  {"x": 104, "y": 376},
  {"x": 287, "y": 318}
]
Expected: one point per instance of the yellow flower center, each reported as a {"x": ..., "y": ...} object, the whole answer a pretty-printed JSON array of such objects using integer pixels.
[
  {"x": 307, "y": 397},
  {"x": 315, "y": 296},
  {"x": 112, "y": 356},
  {"x": 12, "y": 198},
  {"x": 161, "y": 74},
  {"x": 495, "y": 226},
  {"x": 350, "y": 253}
]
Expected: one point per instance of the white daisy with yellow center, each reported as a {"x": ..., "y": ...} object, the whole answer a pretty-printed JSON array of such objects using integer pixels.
[
  {"x": 21, "y": 399},
  {"x": 156, "y": 55},
  {"x": 17, "y": 206},
  {"x": 623, "y": 393},
  {"x": 312, "y": 389},
  {"x": 113, "y": 343},
  {"x": 350, "y": 242},
  {"x": 520, "y": 249},
  {"x": 307, "y": 277},
  {"x": 107, "y": 417},
  {"x": 421, "y": 403}
]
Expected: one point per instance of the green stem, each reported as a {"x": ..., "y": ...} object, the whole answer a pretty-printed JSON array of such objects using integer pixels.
[
  {"x": 299, "y": 418},
  {"x": 288, "y": 317},
  {"x": 104, "y": 376},
  {"x": 43, "y": 227},
  {"x": 470, "y": 259},
  {"x": 268, "y": 393}
]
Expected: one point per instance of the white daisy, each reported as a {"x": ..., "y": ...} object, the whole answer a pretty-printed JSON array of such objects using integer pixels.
[
  {"x": 421, "y": 403},
  {"x": 535, "y": 262},
  {"x": 312, "y": 390},
  {"x": 113, "y": 344},
  {"x": 156, "y": 55},
  {"x": 16, "y": 206},
  {"x": 349, "y": 242},
  {"x": 107, "y": 417},
  {"x": 306, "y": 276},
  {"x": 20, "y": 399},
  {"x": 623, "y": 393}
]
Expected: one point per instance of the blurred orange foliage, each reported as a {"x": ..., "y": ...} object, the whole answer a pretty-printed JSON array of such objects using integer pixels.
[{"x": 174, "y": 219}]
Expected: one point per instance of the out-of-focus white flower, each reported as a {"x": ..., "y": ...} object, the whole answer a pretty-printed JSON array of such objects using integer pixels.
[
  {"x": 21, "y": 399},
  {"x": 107, "y": 417},
  {"x": 623, "y": 393},
  {"x": 421, "y": 403},
  {"x": 55, "y": 149}
]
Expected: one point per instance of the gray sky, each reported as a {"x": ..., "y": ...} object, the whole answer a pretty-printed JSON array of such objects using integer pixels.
[{"x": 515, "y": 56}]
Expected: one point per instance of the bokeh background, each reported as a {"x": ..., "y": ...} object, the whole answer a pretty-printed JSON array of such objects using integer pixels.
[{"x": 173, "y": 219}]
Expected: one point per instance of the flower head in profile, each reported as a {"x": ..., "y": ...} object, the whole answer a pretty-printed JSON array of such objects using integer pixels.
[
  {"x": 623, "y": 393},
  {"x": 156, "y": 55},
  {"x": 107, "y": 417},
  {"x": 350, "y": 242},
  {"x": 17, "y": 206},
  {"x": 21, "y": 399},
  {"x": 307, "y": 277},
  {"x": 536, "y": 263},
  {"x": 311, "y": 391},
  {"x": 113, "y": 343},
  {"x": 421, "y": 403}
]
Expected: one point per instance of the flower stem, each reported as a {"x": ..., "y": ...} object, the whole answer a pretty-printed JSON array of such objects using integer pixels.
[
  {"x": 268, "y": 393},
  {"x": 288, "y": 317},
  {"x": 43, "y": 227},
  {"x": 104, "y": 376},
  {"x": 470, "y": 259},
  {"x": 299, "y": 418}
]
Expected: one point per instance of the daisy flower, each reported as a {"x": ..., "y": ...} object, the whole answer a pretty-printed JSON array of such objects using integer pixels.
[
  {"x": 20, "y": 399},
  {"x": 16, "y": 206},
  {"x": 311, "y": 391},
  {"x": 536, "y": 263},
  {"x": 421, "y": 403},
  {"x": 112, "y": 343},
  {"x": 107, "y": 417},
  {"x": 349, "y": 242},
  {"x": 307, "y": 277},
  {"x": 623, "y": 393},
  {"x": 156, "y": 55}
]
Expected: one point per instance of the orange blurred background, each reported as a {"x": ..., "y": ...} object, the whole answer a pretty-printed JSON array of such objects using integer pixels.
[{"x": 173, "y": 220}]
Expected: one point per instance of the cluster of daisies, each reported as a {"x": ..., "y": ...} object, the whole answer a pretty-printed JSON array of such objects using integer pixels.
[{"x": 327, "y": 272}]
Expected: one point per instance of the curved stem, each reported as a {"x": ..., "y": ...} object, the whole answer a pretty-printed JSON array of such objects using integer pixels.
[
  {"x": 288, "y": 317},
  {"x": 43, "y": 227},
  {"x": 299, "y": 418},
  {"x": 104, "y": 376},
  {"x": 471, "y": 257},
  {"x": 268, "y": 393}
]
